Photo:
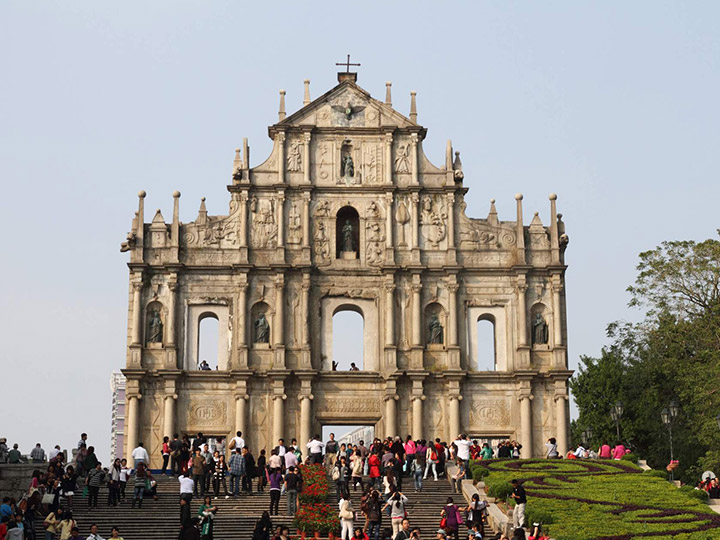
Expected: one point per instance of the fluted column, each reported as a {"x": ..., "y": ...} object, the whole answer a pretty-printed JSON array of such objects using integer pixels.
[
  {"x": 390, "y": 416},
  {"x": 169, "y": 415},
  {"x": 388, "y": 220},
  {"x": 306, "y": 157},
  {"x": 557, "y": 315},
  {"x": 243, "y": 219},
  {"x": 451, "y": 220},
  {"x": 280, "y": 219},
  {"x": 414, "y": 157},
  {"x": 414, "y": 220},
  {"x": 526, "y": 425},
  {"x": 389, "y": 313},
  {"x": 305, "y": 311},
  {"x": 240, "y": 405},
  {"x": 242, "y": 314},
  {"x": 561, "y": 421},
  {"x": 306, "y": 221},
  {"x": 388, "y": 159},
  {"x": 280, "y": 140},
  {"x": 522, "y": 311},
  {"x": 417, "y": 410},
  {"x": 278, "y": 416},
  {"x": 170, "y": 336},
  {"x": 279, "y": 320},
  {"x": 131, "y": 426},
  {"x": 305, "y": 419},
  {"x": 454, "y": 424},
  {"x": 452, "y": 313},
  {"x": 416, "y": 315},
  {"x": 137, "y": 313}
]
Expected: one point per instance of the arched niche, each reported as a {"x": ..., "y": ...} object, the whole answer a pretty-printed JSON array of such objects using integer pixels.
[
  {"x": 540, "y": 320},
  {"x": 368, "y": 310},
  {"x": 155, "y": 324},
  {"x": 435, "y": 325},
  {"x": 208, "y": 342},
  {"x": 346, "y": 217},
  {"x": 195, "y": 314},
  {"x": 497, "y": 316},
  {"x": 260, "y": 310}
]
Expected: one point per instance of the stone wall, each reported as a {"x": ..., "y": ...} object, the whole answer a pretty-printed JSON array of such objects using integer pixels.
[{"x": 15, "y": 478}]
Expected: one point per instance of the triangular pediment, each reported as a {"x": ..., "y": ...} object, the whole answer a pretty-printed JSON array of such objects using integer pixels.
[{"x": 345, "y": 106}]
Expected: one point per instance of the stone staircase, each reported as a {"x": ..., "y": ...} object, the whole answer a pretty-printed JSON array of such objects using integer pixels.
[{"x": 160, "y": 520}]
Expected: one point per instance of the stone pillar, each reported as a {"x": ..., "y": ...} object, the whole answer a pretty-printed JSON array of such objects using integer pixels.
[
  {"x": 416, "y": 312},
  {"x": 557, "y": 318},
  {"x": 454, "y": 424},
  {"x": 414, "y": 158},
  {"x": 306, "y": 221},
  {"x": 417, "y": 412},
  {"x": 305, "y": 311},
  {"x": 414, "y": 221},
  {"x": 452, "y": 312},
  {"x": 305, "y": 420},
  {"x": 306, "y": 157},
  {"x": 169, "y": 415},
  {"x": 279, "y": 320},
  {"x": 278, "y": 416},
  {"x": 136, "y": 335},
  {"x": 451, "y": 220},
  {"x": 389, "y": 287},
  {"x": 131, "y": 431},
  {"x": 280, "y": 141},
  {"x": 390, "y": 416},
  {"x": 388, "y": 221},
  {"x": 280, "y": 209},
  {"x": 526, "y": 425},
  {"x": 170, "y": 336},
  {"x": 240, "y": 402},
  {"x": 561, "y": 421},
  {"x": 388, "y": 159},
  {"x": 242, "y": 315},
  {"x": 243, "y": 219},
  {"x": 522, "y": 311}
]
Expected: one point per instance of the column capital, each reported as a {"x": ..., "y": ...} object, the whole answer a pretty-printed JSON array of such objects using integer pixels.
[
  {"x": 280, "y": 196},
  {"x": 450, "y": 197},
  {"x": 458, "y": 397},
  {"x": 280, "y": 396},
  {"x": 416, "y": 287},
  {"x": 526, "y": 396},
  {"x": 280, "y": 137},
  {"x": 558, "y": 397},
  {"x": 306, "y": 396},
  {"x": 421, "y": 398},
  {"x": 307, "y": 136},
  {"x": 453, "y": 287},
  {"x": 137, "y": 285},
  {"x": 244, "y": 197},
  {"x": 389, "y": 198},
  {"x": 415, "y": 197},
  {"x": 306, "y": 196},
  {"x": 279, "y": 281},
  {"x": 390, "y": 397},
  {"x": 171, "y": 396},
  {"x": 388, "y": 138},
  {"x": 414, "y": 139}
]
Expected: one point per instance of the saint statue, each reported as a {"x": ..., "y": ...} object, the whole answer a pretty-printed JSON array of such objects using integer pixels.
[
  {"x": 402, "y": 160},
  {"x": 156, "y": 328},
  {"x": 262, "y": 330},
  {"x": 539, "y": 330},
  {"x": 347, "y": 167},
  {"x": 436, "y": 330},
  {"x": 347, "y": 237}
]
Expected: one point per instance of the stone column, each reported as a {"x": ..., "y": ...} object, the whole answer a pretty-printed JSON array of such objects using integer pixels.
[
  {"x": 280, "y": 209},
  {"x": 169, "y": 415},
  {"x": 452, "y": 313},
  {"x": 278, "y": 414},
  {"x": 416, "y": 313},
  {"x": 280, "y": 140},
  {"x": 305, "y": 311},
  {"x": 414, "y": 158},
  {"x": 172, "y": 286},
  {"x": 454, "y": 424},
  {"x": 557, "y": 319},
  {"x": 389, "y": 287},
  {"x": 451, "y": 220},
  {"x": 388, "y": 220},
  {"x": 243, "y": 219},
  {"x": 526, "y": 425},
  {"x": 522, "y": 311},
  {"x": 240, "y": 402},
  {"x": 417, "y": 410},
  {"x": 390, "y": 416},
  {"x": 131, "y": 432},
  {"x": 306, "y": 157},
  {"x": 306, "y": 221},
  {"x": 242, "y": 315},
  {"x": 414, "y": 221},
  {"x": 305, "y": 420},
  {"x": 279, "y": 319},
  {"x": 388, "y": 159},
  {"x": 137, "y": 313},
  {"x": 561, "y": 421}
]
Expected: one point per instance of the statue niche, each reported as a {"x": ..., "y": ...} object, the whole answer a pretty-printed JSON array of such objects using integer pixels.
[
  {"x": 435, "y": 329},
  {"x": 260, "y": 324},
  {"x": 154, "y": 324},
  {"x": 347, "y": 233},
  {"x": 539, "y": 326},
  {"x": 348, "y": 173}
]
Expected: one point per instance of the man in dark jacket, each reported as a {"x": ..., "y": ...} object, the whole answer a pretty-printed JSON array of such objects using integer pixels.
[{"x": 249, "y": 471}]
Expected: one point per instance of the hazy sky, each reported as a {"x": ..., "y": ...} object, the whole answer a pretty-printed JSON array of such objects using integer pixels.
[{"x": 613, "y": 105}]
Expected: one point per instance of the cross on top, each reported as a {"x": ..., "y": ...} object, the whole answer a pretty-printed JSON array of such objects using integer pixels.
[{"x": 347, "y": 64}]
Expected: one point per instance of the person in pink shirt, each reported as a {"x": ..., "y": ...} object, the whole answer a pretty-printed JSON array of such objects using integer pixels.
[
  {"x": 604, "y": 452},
  {"x": 410, "y": 449},
  {"x": 619, "y": 451}
]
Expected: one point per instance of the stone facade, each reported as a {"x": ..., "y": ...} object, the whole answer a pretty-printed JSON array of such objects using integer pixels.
[{"x": 346, "y": 213}]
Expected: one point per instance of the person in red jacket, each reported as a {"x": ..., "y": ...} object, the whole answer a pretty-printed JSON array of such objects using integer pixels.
[{"x": 374, "y": 470}]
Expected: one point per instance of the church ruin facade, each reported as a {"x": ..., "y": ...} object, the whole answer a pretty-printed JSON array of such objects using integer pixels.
[{"x": 347, "y": 213}]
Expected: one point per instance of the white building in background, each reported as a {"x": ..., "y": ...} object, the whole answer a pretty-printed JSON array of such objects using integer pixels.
[
  {"x": 361, "y": 433},
  {"x": 117, "y": 426}
]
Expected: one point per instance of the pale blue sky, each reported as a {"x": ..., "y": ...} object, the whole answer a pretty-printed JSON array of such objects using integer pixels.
[{"x": 613, "y": 105}]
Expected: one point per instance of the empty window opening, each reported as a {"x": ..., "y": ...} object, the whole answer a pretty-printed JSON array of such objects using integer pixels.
[
  {"x": 486, "y": 350},
  {"x": 208, "y": 334},
  {"x": 347, "y": 347}
]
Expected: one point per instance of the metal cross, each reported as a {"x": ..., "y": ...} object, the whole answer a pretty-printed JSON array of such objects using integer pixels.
[{"x": 346, "y": 64}]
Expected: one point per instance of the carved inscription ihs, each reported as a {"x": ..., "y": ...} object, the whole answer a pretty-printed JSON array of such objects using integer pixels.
[
  {"x": 206, "y": 414},
  {"x": 490, "y": 412},
  {"x": 348, "y": 405}
]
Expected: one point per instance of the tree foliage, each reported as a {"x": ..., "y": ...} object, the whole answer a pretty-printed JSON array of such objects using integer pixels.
[{"x": 674, "y": 354}]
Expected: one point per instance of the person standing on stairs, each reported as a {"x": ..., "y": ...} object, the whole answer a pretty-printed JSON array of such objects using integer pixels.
[
  {"x": 165, "y": 451},
  {"x": 450, "y": 514},
  {"x": 346, "y": 515},
  {"x": 250, "y": 471},
  {"x": 397, "y": 504},
  {"x": 237, "y": 470},
  {"x": 206, "y": 513},
  {"x": 405, "y": 531},
  {"x": 141, "y": 484},
  {"x": 198, "y": 473},
  {"x": 275, "y": 487}
]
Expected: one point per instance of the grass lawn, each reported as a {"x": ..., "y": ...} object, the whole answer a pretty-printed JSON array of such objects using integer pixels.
[{"x": 602, "y": 500}]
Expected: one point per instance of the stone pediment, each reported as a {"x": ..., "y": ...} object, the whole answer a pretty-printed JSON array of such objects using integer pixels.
[{"x": 345, "y": 106}]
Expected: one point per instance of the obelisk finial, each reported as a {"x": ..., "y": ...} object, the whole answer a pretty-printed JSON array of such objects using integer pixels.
[
  {"x": 281, "y": 111},
  {"x": 306, "y": 99},
  {"x": 413, "y": 107},
  {"x": 388, "y": 94}
]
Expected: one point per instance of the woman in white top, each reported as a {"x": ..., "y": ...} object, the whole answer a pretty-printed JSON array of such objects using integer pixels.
[
  {"x": 347, "y": 515},
  {"x": 431, "y": 459}
]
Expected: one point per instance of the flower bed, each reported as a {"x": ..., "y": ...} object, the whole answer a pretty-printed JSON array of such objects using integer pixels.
[
  {"x": 314, "y": 515},
  {"x": 604, "y": 500}
]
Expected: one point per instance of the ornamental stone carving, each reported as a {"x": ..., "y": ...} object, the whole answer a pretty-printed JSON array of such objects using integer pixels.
[
  {"x": 348, "y": 405},
  {"x": 489, "y": 412},
  {"x": 206, "y": 413},
  {"x": 433, "y": 218},
  {"x": 264, "y": 229}
]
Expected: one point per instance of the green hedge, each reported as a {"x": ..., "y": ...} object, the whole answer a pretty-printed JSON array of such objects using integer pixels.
[{"x": 630, "y": 457}]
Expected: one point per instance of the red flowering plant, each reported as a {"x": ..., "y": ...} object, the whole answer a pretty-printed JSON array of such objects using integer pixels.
[
  {"x": 315, "y": 484},
  {"x": 313, "y": 515}
]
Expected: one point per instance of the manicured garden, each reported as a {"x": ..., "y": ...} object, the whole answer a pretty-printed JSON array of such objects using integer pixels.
[{"x": 602, "y": 500}]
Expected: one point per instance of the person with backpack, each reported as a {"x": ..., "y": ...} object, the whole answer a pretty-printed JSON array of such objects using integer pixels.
[
  {"x": 374, "y": 515},
  {"x": 431, "y": 458},
  {"x": 476, "y": 513}
]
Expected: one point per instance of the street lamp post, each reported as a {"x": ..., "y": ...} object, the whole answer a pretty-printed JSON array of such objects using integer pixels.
[
  {"x": 616, "y": 413},
  {"x": 668, "y": 415},
  {"x": 587, "y": 436}
]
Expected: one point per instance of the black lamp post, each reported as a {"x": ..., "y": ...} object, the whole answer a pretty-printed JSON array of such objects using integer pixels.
[
  {"x": 668, "y": 415},
  {"x": 587, "y": 436},
  {"x": 616, "y": 413}
]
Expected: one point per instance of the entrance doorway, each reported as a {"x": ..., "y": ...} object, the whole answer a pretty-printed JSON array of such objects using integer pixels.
[{"x": 349, "y": 434}]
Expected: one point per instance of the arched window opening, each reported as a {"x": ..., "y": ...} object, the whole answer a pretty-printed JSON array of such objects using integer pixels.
[
  {"x": 347, "y": 233},
  {"x": 486, "y": 344},
  {"x": 348, "y": 343},
  {"x": 208, "y": 342}
]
